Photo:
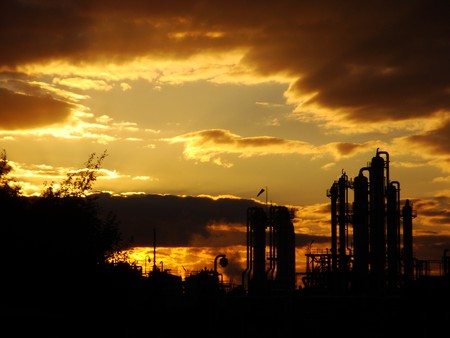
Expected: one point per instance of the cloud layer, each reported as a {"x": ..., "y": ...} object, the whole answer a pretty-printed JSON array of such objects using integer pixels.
[{"x": 365, "y": 62}]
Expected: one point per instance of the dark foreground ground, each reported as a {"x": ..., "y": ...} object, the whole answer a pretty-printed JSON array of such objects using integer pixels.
[{"x": 423, "y": 312}]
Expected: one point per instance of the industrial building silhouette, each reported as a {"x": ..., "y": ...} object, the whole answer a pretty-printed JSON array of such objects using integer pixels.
[
  {"x": 371, "y": 249},
  {"x": 371, "y": 241},
  {"x": 368, "y": 284},
  {"x": 271, "y": 231}
]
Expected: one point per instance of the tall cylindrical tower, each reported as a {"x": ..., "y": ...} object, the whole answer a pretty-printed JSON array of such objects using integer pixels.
[
  {"x": 334, "y": 195},
  {"x": 256, "y": 232},
  {"x": 361, "y": 232},
  {"x": 393, "y": 224},
  {"x": 285, "y": 249},
  {"x": 377, "y": 223},
  {"x": 407, "y": 214},
  {"x": 342, "y": 221}
]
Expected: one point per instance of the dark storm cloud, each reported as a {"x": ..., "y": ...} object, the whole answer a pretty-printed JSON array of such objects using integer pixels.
[
  {"x": 373, "y": 60},
  {"x": 20, "y": 111},
  {"x": 41, "y": 30},
  {"x": 176, "y": 220},
  {"x": 183, "y": 221}
]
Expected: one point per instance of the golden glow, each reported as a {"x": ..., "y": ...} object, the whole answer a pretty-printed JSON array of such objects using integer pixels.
[
  {"x": 82, "y": 83},
  {"x": 196, "y": 34},
  {"x": 184, "y": 261},
  {"x": 212, "y": 66}
]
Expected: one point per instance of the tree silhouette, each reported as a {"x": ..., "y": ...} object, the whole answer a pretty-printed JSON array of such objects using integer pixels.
[
  {"x": 57, "y": 241},
  {"x": 70, "y": 223},
  {"x": 8, "y": 187},
  {"x": 78, "y": 183}
]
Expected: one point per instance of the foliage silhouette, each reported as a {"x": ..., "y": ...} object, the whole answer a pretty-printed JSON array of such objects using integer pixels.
[
  {"x": 78, "y": 183},
  {"x": 8, "y": 187},
  {"x": 57, "y": 241}
]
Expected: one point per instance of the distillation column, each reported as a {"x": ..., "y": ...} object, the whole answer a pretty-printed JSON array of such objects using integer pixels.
[
  {"x": 285, "y": 249},
  {"x": 377, "y": 223},
  {"x": 256, "y": 251},
  {"x": 338, "y": 194},
  {"x": 361, "y": 232},
  {"x": 407, "y": 214},
  {"x": 334, "y": 195},
  {"x": 343, "y": 184},
  {"x": 393, "y": 234}
]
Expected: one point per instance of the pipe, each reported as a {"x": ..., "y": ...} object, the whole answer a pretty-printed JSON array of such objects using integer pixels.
[
  {"x": 387, "y": 164},
  {"x": 246, "y": 272},
  {"x": 215, "y": 261}
]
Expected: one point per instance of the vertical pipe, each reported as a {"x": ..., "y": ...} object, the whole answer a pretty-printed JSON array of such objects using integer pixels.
[
  {"x": 387, "y": 164},
  {"x": 246, "y": 272}
]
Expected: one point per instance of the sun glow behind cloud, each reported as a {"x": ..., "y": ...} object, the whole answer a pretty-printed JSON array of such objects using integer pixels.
[
  {"x": 221, "y": 67},
  {"x": 210, "y": 145}
]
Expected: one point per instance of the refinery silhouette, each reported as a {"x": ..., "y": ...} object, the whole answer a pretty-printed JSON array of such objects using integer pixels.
[{"x": 368, "y": 284}]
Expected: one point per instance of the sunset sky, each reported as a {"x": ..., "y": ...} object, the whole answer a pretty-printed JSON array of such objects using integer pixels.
[{"x": 200, "y": 104}]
